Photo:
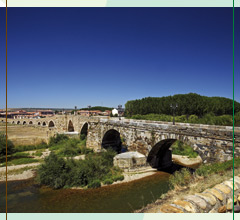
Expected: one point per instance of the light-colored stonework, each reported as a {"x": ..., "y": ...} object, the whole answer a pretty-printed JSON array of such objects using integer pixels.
[
  {"x": 217, "y": 199},
  {"x": 213, "y": 143}
]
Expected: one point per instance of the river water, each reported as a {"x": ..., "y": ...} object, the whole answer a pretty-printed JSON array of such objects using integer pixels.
[{"x": 27, "y": 197}]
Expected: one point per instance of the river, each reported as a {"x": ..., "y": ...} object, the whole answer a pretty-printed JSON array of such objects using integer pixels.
[{"x": 26, "y": 196}]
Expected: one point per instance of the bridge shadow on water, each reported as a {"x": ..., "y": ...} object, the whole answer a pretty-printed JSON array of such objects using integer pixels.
[{"x": 175, "y": 167}]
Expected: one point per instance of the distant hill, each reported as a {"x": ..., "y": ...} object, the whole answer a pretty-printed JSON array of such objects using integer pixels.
[{"x": 188, "y": 104}]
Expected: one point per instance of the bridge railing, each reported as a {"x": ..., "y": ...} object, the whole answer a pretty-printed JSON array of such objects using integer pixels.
[{"x": 163, "y": 124}]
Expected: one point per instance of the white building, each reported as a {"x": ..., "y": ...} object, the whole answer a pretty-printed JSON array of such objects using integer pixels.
[{"x": 114, "y": 111}]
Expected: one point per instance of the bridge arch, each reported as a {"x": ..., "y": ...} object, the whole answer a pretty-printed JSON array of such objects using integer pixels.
[
  {"x": 30, "y": 122},
  {"x": 70, "y": 126},
  {"x": 24, "y": 122},
  {"x": 39, "y": 123},
  {"x": 84, "y": 131},
  {"x": 18, "y": 122},
  {"x": 44, "y": 123},
  {"x": 112, "y": 140},
  {"x": 13, "y": 122},
  {"x": 160, "y": 156},
  {"x": 51, "y": 124}
]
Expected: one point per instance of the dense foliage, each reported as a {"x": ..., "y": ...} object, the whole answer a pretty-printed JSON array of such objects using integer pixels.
[
  {"x": 210, "y": 119},
  {"x": 96, "y": 168},
  {"x": 179, "y": 148},
  {"x": 100, "y": 108},
  {"x": 188, "y": 104},
  {"x": 10, "y": 146},
  {"x": 64, "y": 146}
]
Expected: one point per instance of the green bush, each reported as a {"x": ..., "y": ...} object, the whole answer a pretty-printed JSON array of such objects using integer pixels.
[
  {"x": 108, "y": 182},
  {"x": 97, "y": 167},
  {"x": 207, "y": 169},
  {"x": 180, "y": 178},
  {"x": 94, "y": 184},
  {"x": 10, "y": 146},
  {"x": 118, "y": 178},
  {"x": 54, "y": 172},
  {"x": 210, "y": 119},
  {"x": 57, "y": 139},
  {"x": 179, "y": 148},
  {"x": 82, "y": 136}
]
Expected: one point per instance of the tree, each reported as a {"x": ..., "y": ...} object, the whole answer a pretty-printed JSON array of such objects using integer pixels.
[{"x": 10, "y": 146}]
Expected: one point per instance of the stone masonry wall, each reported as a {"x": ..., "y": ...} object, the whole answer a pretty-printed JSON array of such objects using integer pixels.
[
  {"x": 213, "y": 143},
  {"x": 218, "y": 199}
]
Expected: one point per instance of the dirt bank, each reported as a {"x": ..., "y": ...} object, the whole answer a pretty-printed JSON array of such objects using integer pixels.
[{"x": 198, "y": 186}]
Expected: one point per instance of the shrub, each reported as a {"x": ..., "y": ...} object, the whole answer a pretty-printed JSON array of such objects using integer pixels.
[
  {"x": 179, "y": 148},
  {"x": 108, "y": 182},
  {"x": 94, "y": 184},
  {"x": 53, "y": 172},
  {"x": 10, "y": 146},
  {"x": 118, "y": 177},
  {"x": 180, "y": 178},
  {"x": 57, "y": 139},
  {"x": 57, "y": 172},
  {"x": 82, "y": 136}
]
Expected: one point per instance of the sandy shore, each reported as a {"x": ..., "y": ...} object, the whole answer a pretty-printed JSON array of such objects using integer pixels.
[{"x": 26, "y": 174}]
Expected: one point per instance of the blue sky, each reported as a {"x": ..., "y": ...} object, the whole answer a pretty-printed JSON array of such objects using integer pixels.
[{"x": 62, "y": 57}]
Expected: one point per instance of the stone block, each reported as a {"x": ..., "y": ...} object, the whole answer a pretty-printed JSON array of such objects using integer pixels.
[
  {"x": 230, "y": 184},
  {"x": 222, "y": 209},
  {"x": 186, "y": 205},
  {"x": 223, "y": 188},
  {"x": 229, "y": 204},
  {"x": 196, "y": 200},
  {"x": 216, "y": 193},
  {"x": 208, "y": 197},
  {"x": 169, "y": 209}
]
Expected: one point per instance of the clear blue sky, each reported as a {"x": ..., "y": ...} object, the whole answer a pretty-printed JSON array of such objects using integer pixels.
[{"x": 62, "y": 57}]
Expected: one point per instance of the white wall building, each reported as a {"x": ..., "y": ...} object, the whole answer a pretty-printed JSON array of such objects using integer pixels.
[{"x": 115, "y": 111}]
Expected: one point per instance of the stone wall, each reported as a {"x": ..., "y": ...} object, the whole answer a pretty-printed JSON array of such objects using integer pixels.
[
  {"x": 213, "y": 143},
  {"x": 218, "y": 199}
]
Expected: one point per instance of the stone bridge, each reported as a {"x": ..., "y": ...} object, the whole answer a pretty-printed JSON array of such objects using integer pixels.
[{"x": 151, "y": 138}]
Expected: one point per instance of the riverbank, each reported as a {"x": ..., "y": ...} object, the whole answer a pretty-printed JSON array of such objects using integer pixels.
[
  {"x": 198, "y": 185},
  {"x": 27, "y": 171}
]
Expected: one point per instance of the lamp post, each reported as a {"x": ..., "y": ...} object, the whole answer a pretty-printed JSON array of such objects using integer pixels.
[
  {"x": 173, "y": 107},
  {"x": 89, "y": 106},
  {"x": 119, "y": 110}
]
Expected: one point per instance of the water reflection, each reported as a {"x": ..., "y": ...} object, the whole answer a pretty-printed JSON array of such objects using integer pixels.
[{"x": 28, "y": 197}]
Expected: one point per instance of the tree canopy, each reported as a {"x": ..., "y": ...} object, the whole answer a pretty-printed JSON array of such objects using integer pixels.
[
  {"x": 188, "y": 104},
  {"x": 100, "y": 108}
]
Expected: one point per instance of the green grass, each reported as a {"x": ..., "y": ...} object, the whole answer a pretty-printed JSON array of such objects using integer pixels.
[
  {"x": 17, "y": 171},
  {"x": 22, "y": 148},
  {"x": 38, "y": 153},
  {"x": 184, "y": 177},
  {"x": 20, "y": 155},
  {"x": 65, "y": 147},
  {"x": 179, "y": 148},
  {"x": 20, "y": 161}
]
